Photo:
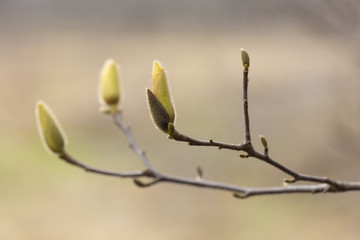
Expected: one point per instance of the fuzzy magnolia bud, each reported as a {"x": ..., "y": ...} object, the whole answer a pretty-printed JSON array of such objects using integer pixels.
[
  {"x": 245, "y": 59},
  {"x": 49, "y": 129},
  {"x": 161, "y": 107},
  {"x": 160, "y": 89},
  {"x": 109, "y": 84}
]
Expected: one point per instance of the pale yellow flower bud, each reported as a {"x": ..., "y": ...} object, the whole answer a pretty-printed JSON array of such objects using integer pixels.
[
  {"x": 160, "y": 89},
  {"x": 109, "y": 84},
  {"x": 50, "y": 130}
]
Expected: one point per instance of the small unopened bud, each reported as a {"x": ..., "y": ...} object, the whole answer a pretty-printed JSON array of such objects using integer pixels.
[
  {"x": 245, "y": 59},
  {"x": 138, "y": 182},
  {"x": 50, "y": 130},
  {"x": 109, "y": 84},
  {"x": 160, "y": 89},
  {"x": 263, "y": 141},
  {"x": 288, "y": 181}
]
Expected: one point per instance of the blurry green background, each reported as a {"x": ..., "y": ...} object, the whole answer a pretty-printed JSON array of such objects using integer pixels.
[{"x": 304, "y": 97}]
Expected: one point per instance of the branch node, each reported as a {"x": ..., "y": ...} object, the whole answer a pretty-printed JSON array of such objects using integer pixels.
[
  {"x": 149, "y": 173},
  {"x": 327, "y": 189}
]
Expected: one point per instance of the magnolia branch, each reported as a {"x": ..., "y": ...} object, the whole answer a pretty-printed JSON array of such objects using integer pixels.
[{"x": 163, "y": 116}]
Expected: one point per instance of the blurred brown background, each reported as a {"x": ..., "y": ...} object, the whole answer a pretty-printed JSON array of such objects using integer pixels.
[{"x": 304, "y": 97}]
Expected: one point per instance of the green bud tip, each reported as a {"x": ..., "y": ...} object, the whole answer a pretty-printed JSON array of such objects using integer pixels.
[
  {"x": 171, "y": 130},
  {"x": 160, "y": 89},
  {"x": 263, "y": 141},
  {"x": 50, "y": 130},
  {"x": 245, "y": 59},
  {"x": 109, "y": 85}
]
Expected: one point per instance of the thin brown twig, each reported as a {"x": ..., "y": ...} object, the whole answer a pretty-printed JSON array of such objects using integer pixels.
[
  {"x": 67, "y": 158},
  {"x": 246, "y": 106},
  {"x": 127, "y": 131},
  {"x": 210, "y": 143}
]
